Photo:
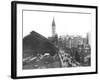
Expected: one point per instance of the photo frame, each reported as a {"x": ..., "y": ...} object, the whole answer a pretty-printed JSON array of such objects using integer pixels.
[{"x": 50, "y": 39}]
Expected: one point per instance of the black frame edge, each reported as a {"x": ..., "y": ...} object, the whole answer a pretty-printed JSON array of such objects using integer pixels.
[
  {"x": 53, "y": 4},
  {"x": 13, "y": 40},
  {"x": 97, "y": 40},
  {"x": 56, "y": 75}
]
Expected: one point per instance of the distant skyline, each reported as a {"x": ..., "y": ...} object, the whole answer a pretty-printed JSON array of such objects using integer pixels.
[{"x": 66, "y": 23}]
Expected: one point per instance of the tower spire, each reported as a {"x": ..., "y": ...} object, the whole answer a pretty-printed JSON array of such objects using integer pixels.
[
  {"x": 53, "y": 23},
  {"x": 53, "y": 27}
]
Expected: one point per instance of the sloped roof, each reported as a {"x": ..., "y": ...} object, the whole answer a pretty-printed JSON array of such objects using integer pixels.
[{"x": 38, "y": 44}]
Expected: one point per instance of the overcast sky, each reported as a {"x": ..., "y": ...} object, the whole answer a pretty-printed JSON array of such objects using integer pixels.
[{"x": 66, "y": 23}]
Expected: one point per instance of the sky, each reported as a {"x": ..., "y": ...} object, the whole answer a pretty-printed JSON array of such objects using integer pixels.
[{"x": 66, "y": 23}]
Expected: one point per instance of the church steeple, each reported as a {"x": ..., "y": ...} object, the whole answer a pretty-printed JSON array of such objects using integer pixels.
[{"x": 53, "y": 28}]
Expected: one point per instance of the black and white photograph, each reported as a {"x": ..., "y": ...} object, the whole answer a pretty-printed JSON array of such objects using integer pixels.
[
  {"x": 54, "y": 39},
  {"x": 49, "y": 40}
]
